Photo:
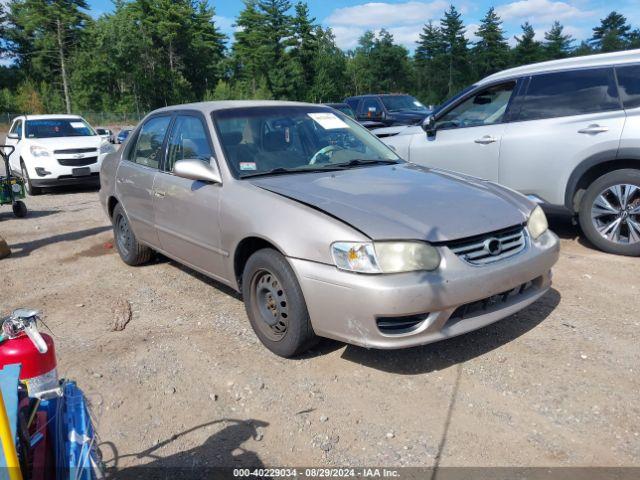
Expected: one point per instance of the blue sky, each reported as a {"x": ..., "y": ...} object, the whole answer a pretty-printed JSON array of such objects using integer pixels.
[{"x": 350, "y": 18}]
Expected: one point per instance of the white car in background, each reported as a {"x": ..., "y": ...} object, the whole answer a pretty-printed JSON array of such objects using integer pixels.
[{"x": 56, "y": 150}]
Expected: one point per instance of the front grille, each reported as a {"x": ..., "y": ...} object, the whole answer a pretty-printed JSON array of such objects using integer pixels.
[
  {"x": 491, "y": 247},
  {"x": 77, "y": 162},
  {"x": 396, "y": 325},
  {"x": 490, "y": 304},
  {"x": 75, "y": 150}
]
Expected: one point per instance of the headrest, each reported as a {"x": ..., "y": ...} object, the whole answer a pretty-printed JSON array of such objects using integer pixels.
[
  {"x": 275, "y": 141},
  {"x": 232, "y": 139}
]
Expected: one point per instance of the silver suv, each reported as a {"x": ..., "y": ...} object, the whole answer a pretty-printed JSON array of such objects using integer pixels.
[{"x": 566, "y": 133}]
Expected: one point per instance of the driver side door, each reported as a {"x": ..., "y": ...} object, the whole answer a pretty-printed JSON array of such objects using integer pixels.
[{"x": 468, "y": 135}]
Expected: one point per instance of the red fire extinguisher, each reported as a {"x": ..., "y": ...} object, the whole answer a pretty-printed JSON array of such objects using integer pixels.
[{"x": 20, "y": 342}]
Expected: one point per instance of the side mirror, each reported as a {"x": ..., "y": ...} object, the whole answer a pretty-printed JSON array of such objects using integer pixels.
[
  {"x": 429, "y": 125},
  {"x": 13, "y": 136},
  {"x": 195, "y": 169}
]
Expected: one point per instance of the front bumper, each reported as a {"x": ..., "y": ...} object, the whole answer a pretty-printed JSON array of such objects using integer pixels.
[
  {"x": 62, "y": 171},
  {"x": 348, "y": 307}
]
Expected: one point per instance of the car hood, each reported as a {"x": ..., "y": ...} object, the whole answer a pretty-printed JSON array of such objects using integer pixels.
[
  {"x": 405, "y": 201},
  {"x": 64, "y": 143}
]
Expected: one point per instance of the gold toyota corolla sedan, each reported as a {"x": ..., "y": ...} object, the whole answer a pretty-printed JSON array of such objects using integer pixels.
[{"x": 324, "y": 230}]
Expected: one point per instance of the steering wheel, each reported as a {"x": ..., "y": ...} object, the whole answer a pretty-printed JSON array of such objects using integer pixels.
[{"x": 325, "y": 151}]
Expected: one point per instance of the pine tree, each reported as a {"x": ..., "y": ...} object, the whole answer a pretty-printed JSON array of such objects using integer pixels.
[
  {"x": 456, "y": 50},
  {"x": 612, "y": 34},
  {"x": 527, "y": 49},
  {"x": 389, "y": 64},
  {"x": 249, "y": 49},
  {"x": 429, "y": 63},
  {"x": 304, "y": 50},
  {"x": 557, "y": 44},
  {"x": 43, "y": 35},
  {"x": 276, "y": 31},
  {"x": 330, "y": 67},
  {"x": 491, "y": 52}
]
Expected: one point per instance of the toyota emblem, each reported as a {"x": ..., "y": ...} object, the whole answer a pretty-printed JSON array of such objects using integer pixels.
[{"x": 493, "y": 246}]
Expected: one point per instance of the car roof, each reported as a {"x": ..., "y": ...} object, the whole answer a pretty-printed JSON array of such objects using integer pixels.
[
  {"x": 378, "y": 95},
  {"x": 207, "y": 107},
  {"x": 602, "y": 59},
  {"x": 49, "y": 117}
]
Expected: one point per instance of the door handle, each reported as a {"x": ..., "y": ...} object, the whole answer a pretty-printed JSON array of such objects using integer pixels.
[
  {"x": 159, "y": 194},
  {"x": 486, "y": 140},
  {"x": 594, "y": 129}
]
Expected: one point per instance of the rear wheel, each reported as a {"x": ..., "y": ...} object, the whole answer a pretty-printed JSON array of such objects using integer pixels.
[
  {"x": 131, "y": 252},
  {"x": 275, "y": 305},
  {"x": 31, "y": 190},
  {"x": 610, "y": 212}
]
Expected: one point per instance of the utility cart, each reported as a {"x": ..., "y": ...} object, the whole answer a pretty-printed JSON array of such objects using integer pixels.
[{"x": 11, "y": 187}]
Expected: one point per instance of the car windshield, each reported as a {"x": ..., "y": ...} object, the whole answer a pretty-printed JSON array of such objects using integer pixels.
[
  {"x": 395, "y": 103},
  {"x": 58, "y": 127},
  {"x": 277, "y": 140}
]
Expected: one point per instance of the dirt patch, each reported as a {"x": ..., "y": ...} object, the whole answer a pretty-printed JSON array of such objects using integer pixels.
[{"x": 187, "y": 383}]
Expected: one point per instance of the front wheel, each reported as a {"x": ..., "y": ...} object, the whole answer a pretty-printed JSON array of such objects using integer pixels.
[
  {"x": 275, "y": 305},
  {"x": 610, "y": 212},
  {"x": 131, "y": 252},
  {"x": 31, "y": 190}
]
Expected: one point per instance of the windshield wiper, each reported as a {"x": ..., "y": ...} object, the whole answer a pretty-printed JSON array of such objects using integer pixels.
[
  {"x": 357, "y": 162},
  {"x": 284, "y": 171}
]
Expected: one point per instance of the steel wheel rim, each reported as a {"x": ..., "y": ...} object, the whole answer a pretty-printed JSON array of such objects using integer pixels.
[
  {"x": 615, "y": 214},
  {"x": 270, "y": 305},
  {"x": 123, "y": 234}
]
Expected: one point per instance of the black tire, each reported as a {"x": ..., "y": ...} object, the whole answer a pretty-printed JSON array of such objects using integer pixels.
[
  {"x": 275, "y": 304},
  {"x": 20, "y": 209},
  {"x": 31, "y": 190},
  {"x": 131, "y": 251},
  {"x": 628, "y": 238}
]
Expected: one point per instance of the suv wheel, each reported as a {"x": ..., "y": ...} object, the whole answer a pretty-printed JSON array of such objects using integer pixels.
[
  {"x": 275, "y": 304},
  {"x": 31, "y": 190},
  {"x": 610, "y": 212},
  {"x": 131, "y": 252}
]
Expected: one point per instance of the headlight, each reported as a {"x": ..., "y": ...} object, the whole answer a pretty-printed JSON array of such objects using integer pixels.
[
  {"x": 385, "y": 257},
  {"x": 38, "y": 151},
  {"x": 106, "y": 148},
  {"x": 537, "y": 223}
]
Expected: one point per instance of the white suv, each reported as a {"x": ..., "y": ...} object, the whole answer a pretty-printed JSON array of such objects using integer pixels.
[
  {"x": 566, "y": 133},
  {"x": 54, "y": 150}
]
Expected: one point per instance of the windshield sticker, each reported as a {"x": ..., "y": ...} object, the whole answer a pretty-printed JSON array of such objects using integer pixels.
[
  {"x": 248, "y": 166},
  {"x": 418, "y": 104},
  {"x": 78, "y": 125},
  {"x": 328, "y": 121}
]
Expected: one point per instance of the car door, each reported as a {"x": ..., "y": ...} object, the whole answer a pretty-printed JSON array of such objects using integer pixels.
[
  {"x": 14, "y": 157},
  {"x": 468, "y": 134},
  {"x": 561, "y": 120},
  {"x": 137, "y": 173},
  {"x": 186, "y": 211}
]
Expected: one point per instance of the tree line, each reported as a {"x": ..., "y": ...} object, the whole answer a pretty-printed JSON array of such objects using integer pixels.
[{"x": 151, "y": 53}]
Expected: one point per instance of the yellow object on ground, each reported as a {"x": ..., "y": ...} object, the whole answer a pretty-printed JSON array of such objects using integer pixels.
[
  {"x": 4, "y": 248},
  {"x": 8, "y": 444}
]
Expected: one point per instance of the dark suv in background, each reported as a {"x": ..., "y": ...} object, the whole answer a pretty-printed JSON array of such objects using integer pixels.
[{"x": 388, "y": 109}]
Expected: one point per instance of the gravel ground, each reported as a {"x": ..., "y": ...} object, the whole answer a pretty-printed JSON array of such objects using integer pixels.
[{"x": 186, "y": 383}]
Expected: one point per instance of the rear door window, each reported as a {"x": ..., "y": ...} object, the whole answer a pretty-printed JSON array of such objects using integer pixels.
[
  {"x": 370, "y": 108},
  {"x": 148, "y": 149},
  {"x": 629, "y": 83},
  {"x": 564, "y": 94}
]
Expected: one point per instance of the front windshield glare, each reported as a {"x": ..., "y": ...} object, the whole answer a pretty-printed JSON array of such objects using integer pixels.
[
  {"x": 290, "y": 139},
  {"x": 396, "y": 103},
  {"x": 58, "y": 127}
]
